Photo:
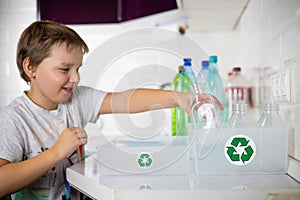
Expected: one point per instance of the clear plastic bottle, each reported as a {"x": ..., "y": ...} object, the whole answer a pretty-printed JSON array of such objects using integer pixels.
[
  {"x": 204, "y": 69},
  {"x": 216, "y": 88},
  {"x": 180, "y": 119},
  {"x": 240, "y": 117},
  {"x": 188, "y": 71},
  {"x": 187, "y": 63},
  {"x": 202, "y": 76},
  {"x": 237, "y": 89},
  {"x": 204, "y": 113},
  {"x": 270, "y": 116}
]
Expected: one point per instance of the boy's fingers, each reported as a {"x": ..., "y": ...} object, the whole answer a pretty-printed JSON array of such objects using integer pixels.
[
  {"x": 218, "y": 103},
  {"x": 208, "y": 98}
]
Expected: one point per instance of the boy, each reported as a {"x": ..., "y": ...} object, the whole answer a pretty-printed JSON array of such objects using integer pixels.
[{"x": 41, "y": 129}]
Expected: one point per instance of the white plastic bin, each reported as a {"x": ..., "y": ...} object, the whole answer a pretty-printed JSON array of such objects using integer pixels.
[
  {"x": 161, "y": 155},
  {"x": 241, "y": 151}
]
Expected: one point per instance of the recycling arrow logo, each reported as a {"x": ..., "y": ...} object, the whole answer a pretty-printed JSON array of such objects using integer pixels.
[
  {"x": 240, "y": 150},
  {"x": 144, "y": 160},
  {"x": 145, "y": 187}
]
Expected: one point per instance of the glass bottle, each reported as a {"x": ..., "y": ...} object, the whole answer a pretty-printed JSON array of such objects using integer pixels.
[
  {"x": 240, "y": 117},
  {"x": 270, "y": 116}
]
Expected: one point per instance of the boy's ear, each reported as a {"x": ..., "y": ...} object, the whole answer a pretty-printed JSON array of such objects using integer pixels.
[{"x": 28, "y": 68}]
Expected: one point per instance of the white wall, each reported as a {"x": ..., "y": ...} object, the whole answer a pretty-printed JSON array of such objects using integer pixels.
[
  {"x": 16, "y": 15},
  {"x": 270, "y": 36}
]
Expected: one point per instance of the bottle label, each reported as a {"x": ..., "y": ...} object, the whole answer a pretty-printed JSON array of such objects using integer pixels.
[{"x": 238, "y": 94}]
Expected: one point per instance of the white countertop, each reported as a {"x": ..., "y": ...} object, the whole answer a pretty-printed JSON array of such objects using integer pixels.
[{"x": 86, "y": 177}]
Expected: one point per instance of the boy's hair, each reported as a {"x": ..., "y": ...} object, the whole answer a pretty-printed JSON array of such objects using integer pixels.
[{"x": 37, "y": 40}]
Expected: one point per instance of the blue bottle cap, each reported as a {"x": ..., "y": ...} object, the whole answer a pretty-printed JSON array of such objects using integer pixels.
[
  {"x": 213, "y": 59},
  {"x": 187, "y": 62},
  {"x": 205, "y": 64}
]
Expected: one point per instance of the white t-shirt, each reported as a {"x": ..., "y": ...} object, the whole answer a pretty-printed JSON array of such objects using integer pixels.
[{"x": 27, "y": 129}]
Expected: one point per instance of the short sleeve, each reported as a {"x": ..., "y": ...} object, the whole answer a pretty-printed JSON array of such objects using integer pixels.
[
  {"x": 88, "y": 101},
  {"x": 12, "y": 143}
]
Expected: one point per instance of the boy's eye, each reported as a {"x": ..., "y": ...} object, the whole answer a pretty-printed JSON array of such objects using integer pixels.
[{"x": 64, "y": 69}]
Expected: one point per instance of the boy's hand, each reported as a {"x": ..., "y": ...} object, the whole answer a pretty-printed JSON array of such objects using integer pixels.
[
  {"x": 69, "y": 140},
  {"x": 207, "y": 98},
  {"x": 187, "y": 100}
]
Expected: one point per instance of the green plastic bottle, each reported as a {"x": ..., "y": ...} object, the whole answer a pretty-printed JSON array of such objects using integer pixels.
[
  {"x": 175, "y": 87},
  {"x": 180, "y": 83}
]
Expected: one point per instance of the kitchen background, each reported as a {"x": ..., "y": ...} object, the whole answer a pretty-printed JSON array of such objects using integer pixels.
[{"x": 253, "y": 34}]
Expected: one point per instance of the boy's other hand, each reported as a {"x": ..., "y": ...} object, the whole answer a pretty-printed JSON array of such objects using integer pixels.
[{"x": 69, "y": 140}]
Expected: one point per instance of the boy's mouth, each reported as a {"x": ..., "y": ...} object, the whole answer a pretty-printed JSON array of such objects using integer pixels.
[{"x": 68, "y": 89}]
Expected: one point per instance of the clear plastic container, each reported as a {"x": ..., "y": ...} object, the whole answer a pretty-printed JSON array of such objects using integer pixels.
[
  {"x": 240, "y": 117},
  {"x": 269, "y": 152},
  {"x": 270, "y": 116}
]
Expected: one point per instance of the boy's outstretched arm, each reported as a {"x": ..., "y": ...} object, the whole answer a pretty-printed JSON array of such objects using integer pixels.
[{"x": 140, "y": 100}]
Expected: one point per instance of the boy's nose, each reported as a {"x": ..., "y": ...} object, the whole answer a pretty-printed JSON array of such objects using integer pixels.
[{"x": 74, "y": 78}]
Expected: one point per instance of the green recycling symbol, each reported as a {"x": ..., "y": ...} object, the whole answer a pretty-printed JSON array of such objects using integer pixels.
[
  {"x": 144, "y": 160},
  {"x": 145, "y": 187},
  {"x": 240, "y": 150}
]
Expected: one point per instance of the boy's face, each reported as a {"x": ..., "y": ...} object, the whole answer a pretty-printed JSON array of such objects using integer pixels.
[{"x": 56, "y": 77}]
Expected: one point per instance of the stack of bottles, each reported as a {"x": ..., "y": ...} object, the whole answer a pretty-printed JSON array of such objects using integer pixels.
[
  {"x": 238, "y": 96},
  {"x": 235, "y": 100},
  {"x": 204, "y": 114},
  {"x": 269, "y": 117}
]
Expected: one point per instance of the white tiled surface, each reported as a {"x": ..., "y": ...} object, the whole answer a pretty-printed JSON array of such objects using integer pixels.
[
  {"x": 270, "y": 35},
  {"x": 14, "y": 17}
]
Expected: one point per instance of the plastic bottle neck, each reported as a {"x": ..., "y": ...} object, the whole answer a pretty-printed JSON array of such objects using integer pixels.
[
  {"x": 271, "y": 108},
  {"x": 236, "y": 73},
  {"x": 240, "y": 108}
]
